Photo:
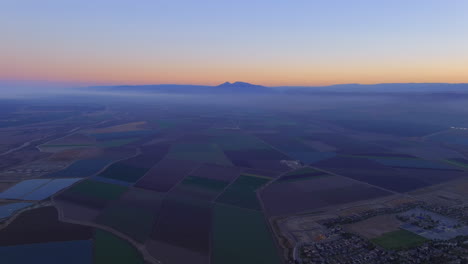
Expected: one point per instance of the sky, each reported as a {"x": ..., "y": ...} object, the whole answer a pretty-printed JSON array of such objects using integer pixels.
[{"x": 268, "y": 42}]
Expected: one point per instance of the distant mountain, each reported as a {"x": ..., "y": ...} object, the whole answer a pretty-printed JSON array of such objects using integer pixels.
[
  {"x": 247, "y": 88},
  {"x": 225, "y": 88},
  {"x": 243, "y": 87}
]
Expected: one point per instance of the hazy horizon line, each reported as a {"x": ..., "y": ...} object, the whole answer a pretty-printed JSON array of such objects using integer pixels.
[{"x": 78, "y": 84}]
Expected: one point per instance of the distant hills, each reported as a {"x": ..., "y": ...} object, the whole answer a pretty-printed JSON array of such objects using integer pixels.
[
  {"x": 383, "y": 88},
  {"x": 247, "y": 88},
  {"x": 225, "y": 88}
]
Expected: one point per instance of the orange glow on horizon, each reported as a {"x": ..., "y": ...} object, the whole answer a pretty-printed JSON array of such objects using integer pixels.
[
  {"x": 268, "y": 76},
  {"x": 280, "y": 72},
  {"x": 273, "y": 43}
]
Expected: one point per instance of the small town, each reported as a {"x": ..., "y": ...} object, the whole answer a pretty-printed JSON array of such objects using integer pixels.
[{"x": 340, "y": 246}]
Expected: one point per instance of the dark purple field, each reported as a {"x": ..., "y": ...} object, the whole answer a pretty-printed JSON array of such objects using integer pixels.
[
  {"x": 217, "y": 172},
  {"x": 149, "y": 157},
  {"x": 184, "y": 224},
  {"x": 431, "y": 176},
  {"x": 388, "y": 178},
  {"x": 41, "y": 226},
  {"x": 346, "y": 145},
  {"x": 86, "y": 201},
  {"x": 308, "y": 195},
  {"x": 261, "y": 159},
  {"x": 166, "y": 174},
  {"x": 141, "y": 198}
]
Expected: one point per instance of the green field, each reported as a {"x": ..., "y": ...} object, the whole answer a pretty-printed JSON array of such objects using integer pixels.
[
  {"x": 130, "y": 220},
  {"x": 100, "y": 190},
  {"x": 400, "y": 239},
  {"x": 242, "y": 192},
  {"x": 241, "y": 236},
  {"x": 201, "y": 152},
  {"x": 111, "y": 249},
  {"x": 201, "y": 188},
  {"x": 194, "y": 182},
  {"x": 123, "y": 172}
]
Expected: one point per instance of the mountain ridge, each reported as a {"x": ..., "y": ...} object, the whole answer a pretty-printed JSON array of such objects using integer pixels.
[{"x": 248, "y": 88}]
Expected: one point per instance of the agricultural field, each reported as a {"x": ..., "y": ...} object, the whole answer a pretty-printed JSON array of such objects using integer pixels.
[
  {"x": 238, "y": 141},
  {"x": 159, "y": 182},
  {"x": 132, "y": 169},
  {"x": 10, "y": 208},
  {"x": 132, "y": 126},
  {"x": 92, "y": 193},
  {"x": 166, "y": 174},
  {"x": 73, "y": 252},
  {"x": 312, "y": 193},
  {"x": 194, "y": 187},
  {"x": 413, "y": 163},
  {"x": 199, "y": 152},
  {"x": 302, "y": 174},
  {"x": 184, "y": 225},
  {"x": 217, "y": 172},
  {"x": 129, "y": 218},
  {"x": 6, "y": 185},
  {"x": 23, "y": 188},
  {"x": 300, "y": 148},
  {"x": 81, "y": 168},
  {"x": 243, "y": 192},
  {"x": 50, "y": 189},
  {"x": 344, "y": 144},
  {"x": 110, "y": 249},
  {"x": 400, "y": 239},
  {"x": 37, "y": 189},
  {"x": 104, "y": 141},
  {"x": 254, "y": 244},
  {"x": 121, "y": 171},
  {"x": 41, "y": 225},
  {"x": 395, "y": 173},
  {"x": 375, "y": 226},
  {"x": 263, "y": 159}
]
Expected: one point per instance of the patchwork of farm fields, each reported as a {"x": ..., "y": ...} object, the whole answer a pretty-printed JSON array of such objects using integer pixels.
[{"x": 173, "y": 186}]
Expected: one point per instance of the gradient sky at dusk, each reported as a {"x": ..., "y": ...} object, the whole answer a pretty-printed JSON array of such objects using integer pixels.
[{"x": 269, "y": 42}]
